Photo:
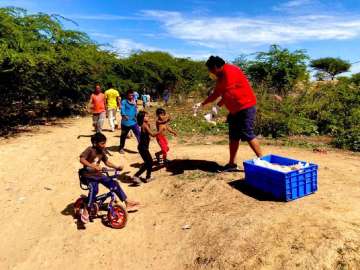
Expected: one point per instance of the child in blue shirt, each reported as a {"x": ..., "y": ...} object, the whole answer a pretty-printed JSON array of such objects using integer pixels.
[{"x": 128, "y": 120}]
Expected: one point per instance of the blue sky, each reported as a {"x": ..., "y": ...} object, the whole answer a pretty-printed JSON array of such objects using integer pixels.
[{"x": 199, "y": 28}]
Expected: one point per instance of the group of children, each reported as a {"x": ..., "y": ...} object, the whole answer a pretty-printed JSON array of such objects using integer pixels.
[
  {"x": 143, "y": 120},
  {"x": 92, "y": 156}
]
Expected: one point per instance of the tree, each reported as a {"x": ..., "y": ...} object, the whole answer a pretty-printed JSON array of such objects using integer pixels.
[
  {"x": 355, "y": 78},
  {"x": 320, "y": 76},
  {"x": 279, "y": 69},
  {"x": 49, "y": 70},
  {"x": 242, "y": 62},
  {"x": 331, "y": 66}
]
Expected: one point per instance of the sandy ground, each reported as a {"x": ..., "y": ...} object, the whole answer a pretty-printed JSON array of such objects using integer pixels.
[{"x": 231, "y": 227}]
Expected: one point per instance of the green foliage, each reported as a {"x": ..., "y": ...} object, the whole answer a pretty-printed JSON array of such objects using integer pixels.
[
  {"x": 331, "y": 66},
  {"x": 320, "y": 76},
  {"x": 330, "y": 109},
  {"x": 278, "y": 69},
  {"x": 186, "y": 124},
  {"x": 47, "y": 70},
  {"x": 355, "y": 78},
  {"x": 281, "y": 118},
  {"x": 348, "y": 139},
  {"x": 159, "y": 70}
]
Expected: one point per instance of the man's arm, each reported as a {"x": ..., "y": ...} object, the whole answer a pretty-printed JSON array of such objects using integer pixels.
[
  {"x": 89, "y": 106},
  {"x": 118, "y": 101},
  {"x": 212, "y": 97},
  {"x": 123, "y": 113},
  {"x": 105, "y": 102},
  {"x": 221, "y": 102}
]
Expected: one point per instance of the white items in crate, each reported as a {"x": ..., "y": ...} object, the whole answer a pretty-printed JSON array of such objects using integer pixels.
[{"x": 280, "y": 168}]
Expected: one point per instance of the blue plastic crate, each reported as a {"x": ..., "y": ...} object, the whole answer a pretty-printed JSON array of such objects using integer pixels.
[{"x": 282, "y": 186}]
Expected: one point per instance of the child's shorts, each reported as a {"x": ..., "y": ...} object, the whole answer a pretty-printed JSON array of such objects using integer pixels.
[{"x": 163, "y": 142}]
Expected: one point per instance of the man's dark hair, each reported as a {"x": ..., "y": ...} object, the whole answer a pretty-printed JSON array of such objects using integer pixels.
[
  {"x": 98, "y": 137},
  {"x": 140, "y": 117},
  {"x": 160, "y": 111},
  {"x": 130, "y": 91},
  {"x": 214, "y": 61},
  {"x": 109, "y": 85}
]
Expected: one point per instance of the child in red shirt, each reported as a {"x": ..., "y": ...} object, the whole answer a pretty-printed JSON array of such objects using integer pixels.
[{"x": 162, "y": 127}]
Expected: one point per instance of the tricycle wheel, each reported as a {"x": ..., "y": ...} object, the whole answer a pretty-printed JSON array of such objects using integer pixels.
[
  {"x": 79, "y": 204},
  {"x": 118, "y": 218}
]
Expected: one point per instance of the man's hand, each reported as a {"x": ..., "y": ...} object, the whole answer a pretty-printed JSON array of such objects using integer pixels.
[{"x": 125, "y": 117}]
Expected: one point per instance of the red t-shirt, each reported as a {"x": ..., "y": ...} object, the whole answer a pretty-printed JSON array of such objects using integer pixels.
[
  {"x": 98, "y": 103},
  {"x": 235, "y": 90}
]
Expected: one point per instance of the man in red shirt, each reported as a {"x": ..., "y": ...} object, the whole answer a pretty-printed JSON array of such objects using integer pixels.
[
  {"x": 97, "y": 106},
  {"x": 239, "y": 98}
]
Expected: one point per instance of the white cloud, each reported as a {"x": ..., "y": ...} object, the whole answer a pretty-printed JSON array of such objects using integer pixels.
[
  {"x": 293, "y": 4},
  {"x": 197, "y": 55},
  {"x": 125, "y": 47},
  {"x": 101, "y": 35},
  {"x": 355, "y": 68},
  {"x": 233, "y": 31}
]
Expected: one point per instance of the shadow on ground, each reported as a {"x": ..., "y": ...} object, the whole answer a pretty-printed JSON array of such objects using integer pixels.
[
  {"x": 247, "y": 190},
  {"x": 178, "y": 166},
  {"x": 124, "y": 177},
  {"x": 115, "y": 148},
  {"x": 155, "y": 168},
  {"x": 69, "y": 210},
  {"x": 84, "y": 136}
]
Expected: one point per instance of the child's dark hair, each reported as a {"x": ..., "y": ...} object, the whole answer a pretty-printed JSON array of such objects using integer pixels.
[
  {"x": 98, "y": 138},
  {"x": 214, "y": 61},
  {"x": 140, "y": 117},
  {"x": 160, "y": 111},
  {"x": 109, "y": 85},
  {"x": 130, "y": 91}
]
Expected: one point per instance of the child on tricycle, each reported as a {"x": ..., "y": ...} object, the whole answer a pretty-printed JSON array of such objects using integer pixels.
[{"x": 92, "y": 174}]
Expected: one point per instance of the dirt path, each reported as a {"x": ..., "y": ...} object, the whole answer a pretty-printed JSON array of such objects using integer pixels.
[{"x": 230, "y": 226}]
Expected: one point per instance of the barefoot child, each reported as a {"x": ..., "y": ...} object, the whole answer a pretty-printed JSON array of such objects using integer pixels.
[
  {"x": 91, "y": 158},
  {"x": 143, "y": 147},
  {"x": 162, "y": 127}
]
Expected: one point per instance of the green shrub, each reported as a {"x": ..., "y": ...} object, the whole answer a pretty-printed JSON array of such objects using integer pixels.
[
  {"x": 348, "y": 139},
  {"x": 329, "y": 109}
]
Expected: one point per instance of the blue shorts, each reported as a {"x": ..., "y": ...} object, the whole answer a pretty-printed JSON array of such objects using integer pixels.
[{"x": 241, "y": 125}]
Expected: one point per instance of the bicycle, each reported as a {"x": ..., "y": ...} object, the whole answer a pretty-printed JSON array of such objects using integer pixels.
[{"x": 116, "y": 214}]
